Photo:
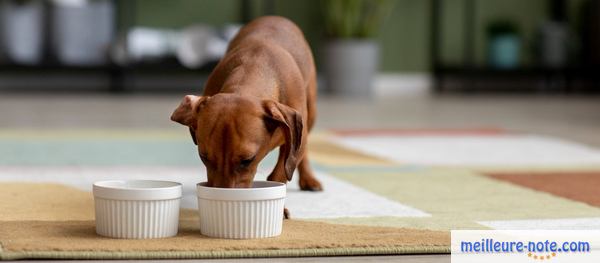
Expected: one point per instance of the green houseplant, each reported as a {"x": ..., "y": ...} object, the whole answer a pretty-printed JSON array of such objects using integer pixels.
[{"x": 351, "y": 54}]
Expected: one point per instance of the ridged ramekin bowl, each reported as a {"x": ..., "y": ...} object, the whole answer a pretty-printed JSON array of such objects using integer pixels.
[
  {"x": 137, "y": 209},
  {"x": 241, "y": 213}
]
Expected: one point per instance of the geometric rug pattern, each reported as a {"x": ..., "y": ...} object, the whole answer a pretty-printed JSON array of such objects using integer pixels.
[{"x": 406, "y": 188}]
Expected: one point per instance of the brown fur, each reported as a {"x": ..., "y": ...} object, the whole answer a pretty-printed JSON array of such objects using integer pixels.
[{"x": 260, "y": 96}]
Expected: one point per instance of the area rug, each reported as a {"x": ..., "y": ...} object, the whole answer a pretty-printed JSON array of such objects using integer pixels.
[
  {"x": 386, "y": 191},
  {"x": 56, "y": 221}
]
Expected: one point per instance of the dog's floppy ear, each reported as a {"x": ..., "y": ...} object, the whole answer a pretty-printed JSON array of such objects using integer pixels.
[
  {"x": 187, "y": 111},
  {"x": 291, "y": 121}
]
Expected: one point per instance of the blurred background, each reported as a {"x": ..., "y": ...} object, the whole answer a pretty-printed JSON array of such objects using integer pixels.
[
  {"x": 521, "y": 65},
  {"x": 405, "y": 87},
  {"x": 363, "y": 48}
]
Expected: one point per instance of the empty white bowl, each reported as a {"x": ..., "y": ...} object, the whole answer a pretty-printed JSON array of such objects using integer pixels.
[
  {"x": 137, "y": 208},
  {"x": 241, "y": 213}
]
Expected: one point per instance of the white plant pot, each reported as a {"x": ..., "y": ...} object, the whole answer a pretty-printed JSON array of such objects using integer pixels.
[
  {"x": 554, "y": 44},
  {"x": 23, "y": 31},
  {"x": 350, "y": 67},
  {"x": 83, "y": 31},
  {"x": 242, "y": 213}
]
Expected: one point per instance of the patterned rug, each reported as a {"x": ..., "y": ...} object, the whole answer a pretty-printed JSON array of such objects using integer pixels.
[{"x": 386, "y": 191}]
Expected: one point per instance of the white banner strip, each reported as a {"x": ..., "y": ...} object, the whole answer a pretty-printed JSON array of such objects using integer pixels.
[{"x": 516, "y": 246}]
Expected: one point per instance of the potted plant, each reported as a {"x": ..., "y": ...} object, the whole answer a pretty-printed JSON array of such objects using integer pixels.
[
  {"x": 82, "y": 31},
  {"x": 22, "y": 24},
  {"x": 504, "y": 44},
  {"x": 351, "y": 54}
]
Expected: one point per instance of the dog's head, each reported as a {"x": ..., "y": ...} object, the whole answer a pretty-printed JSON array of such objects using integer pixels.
[{"x": 234, "y": 133}]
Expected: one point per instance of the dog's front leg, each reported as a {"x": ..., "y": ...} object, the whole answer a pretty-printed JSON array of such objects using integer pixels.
[
  {"x": 278, "y": 175},
  {"x": 307, "y": 180}
]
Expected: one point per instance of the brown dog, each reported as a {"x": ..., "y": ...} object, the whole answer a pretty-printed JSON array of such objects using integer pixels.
[{"x": 260, "y": 96}]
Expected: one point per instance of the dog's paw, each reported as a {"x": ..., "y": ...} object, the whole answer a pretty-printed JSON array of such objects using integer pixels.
[
  {"x": 286, "y": 213},
  {"x": 311, "y": 184}
]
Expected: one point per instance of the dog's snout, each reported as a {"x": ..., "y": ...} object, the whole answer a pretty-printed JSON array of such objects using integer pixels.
[
  {"x": 225, "y": 184},
  {"x": 223, "y": 181},
  {"x": 230, "y": 184}
]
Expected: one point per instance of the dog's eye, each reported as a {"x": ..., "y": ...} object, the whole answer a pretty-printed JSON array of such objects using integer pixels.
[{"x": 246, "y": 162}]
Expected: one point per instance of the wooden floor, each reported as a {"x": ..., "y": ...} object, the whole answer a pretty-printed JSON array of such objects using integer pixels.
[
  {"x": 361, "y": 259},
  {"x": 569, "y": 117}
]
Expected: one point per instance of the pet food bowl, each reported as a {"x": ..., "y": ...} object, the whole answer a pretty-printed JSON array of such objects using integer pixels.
[
  {"x": 137, "y": 208},
  {"x": 241, "y": 213}
]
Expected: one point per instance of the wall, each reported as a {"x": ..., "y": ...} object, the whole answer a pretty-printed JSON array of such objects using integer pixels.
[
  {"x": 404, "y": 37},
  {"x": 180, "y": 13}
]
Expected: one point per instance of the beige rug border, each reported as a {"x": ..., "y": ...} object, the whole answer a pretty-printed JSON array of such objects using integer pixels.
[{"x": 316, "y": 252}]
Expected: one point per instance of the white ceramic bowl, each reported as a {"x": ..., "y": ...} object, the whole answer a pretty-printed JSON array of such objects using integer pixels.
[
  {"x": 137, "y": 208},
  {"x": 241, "y": 213}
]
